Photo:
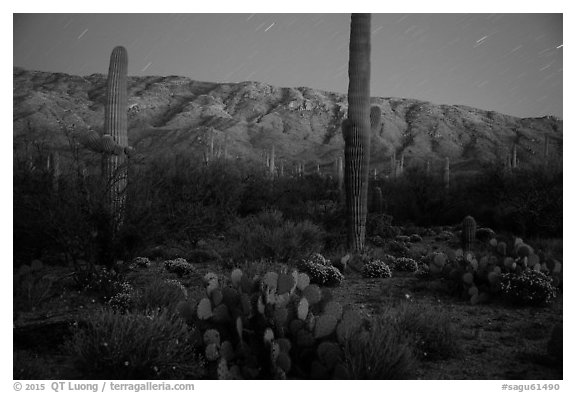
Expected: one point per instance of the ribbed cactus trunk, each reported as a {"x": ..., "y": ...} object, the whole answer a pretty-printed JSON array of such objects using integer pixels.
[
  {"x": 211, "y": 144},
  {"x": 507, "y": 163},
  {"x": 340, "y": 172},
  {"x": 116, "y": 125},
  {"x": 468, "y": 232},
  {"x": 546, "y": 149},
  {"x": 53, "y": 166},
  {"x": 272, "y": 165},
  {"x": 514, "y": 157},
  {"x": 447, "y": 174},
  {"x": 356, "y": 131}
]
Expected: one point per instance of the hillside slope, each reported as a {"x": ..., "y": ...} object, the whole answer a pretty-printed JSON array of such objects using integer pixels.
[{"x": 168, "y": 114}]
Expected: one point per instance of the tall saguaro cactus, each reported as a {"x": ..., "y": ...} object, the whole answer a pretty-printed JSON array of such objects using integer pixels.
[
  {"x": 116, "y": 125},
  {"x": 446, "y": 174},
  {"x": 271, "y": 163},
  {"x": 356, "y": 130},
  {"x": 546, "y": 149}
]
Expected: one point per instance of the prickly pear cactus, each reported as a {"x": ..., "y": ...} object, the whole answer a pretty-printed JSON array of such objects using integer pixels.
[{"x": 274, "y": 327}]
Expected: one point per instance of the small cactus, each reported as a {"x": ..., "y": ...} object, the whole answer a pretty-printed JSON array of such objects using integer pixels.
[{"x": 468, "y": 231}]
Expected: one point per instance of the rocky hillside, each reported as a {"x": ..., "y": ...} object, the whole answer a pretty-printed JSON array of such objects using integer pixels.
[{"x": 168, "y": 114}]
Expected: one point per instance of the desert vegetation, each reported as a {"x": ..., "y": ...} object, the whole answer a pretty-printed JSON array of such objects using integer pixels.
[{"x": 191, "y": 266}]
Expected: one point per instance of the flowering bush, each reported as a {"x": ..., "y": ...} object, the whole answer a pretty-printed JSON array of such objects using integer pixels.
[
  {"x": 405, "y": 265},
  {"x": 140, "y": 262},
  {"x": 124, "y": 299},
  {"x": 318, "y": 258},
  {"x": 527, "y": 288},
  {"x": 321, "y": 274},
  {"x": 179, "y": 266},
  {"x": 376, "y": 269}
]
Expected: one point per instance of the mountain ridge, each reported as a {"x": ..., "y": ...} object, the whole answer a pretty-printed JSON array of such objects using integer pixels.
[{"x": 175, "y": 113}]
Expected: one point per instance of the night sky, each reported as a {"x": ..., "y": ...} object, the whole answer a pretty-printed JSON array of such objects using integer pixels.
[{"x": 510, "y": 63}]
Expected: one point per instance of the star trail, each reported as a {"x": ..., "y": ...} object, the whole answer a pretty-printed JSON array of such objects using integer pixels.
[{"x": 510, "y": 63}]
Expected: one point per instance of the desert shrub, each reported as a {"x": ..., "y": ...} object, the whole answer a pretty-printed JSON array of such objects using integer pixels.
[
  {"x": 321, "y": 272},
  {"x": 69, "y": 219},
  {"x": 310, "y": 197},
  {"x": 261, "y": 267},
  {"x": 405, "y": 265},
  {"x": 485, "y": 234},
  {"x": 179, "y": 266},
  {"x": 376, "y": 269},
  {"x": 178, "y": 198},
  {"x": 134, "y": 346},
  {"x": 32, "y": 287},
  {"x": 527, "y": 201},
  {"x": 381, "y": 353},
  {"x": 431, "y": 333},
  {"x": 527, "y": 288},
  {"x": 160, "y": 293},
  {"x": 202, "y": 255},
  {"x": 376, "y": 241},
  {"x": 268, "y": 235},
  {"x": 380, "y": 225},
  {"x": 415, "y": 238},
  {"x": 548, "y": 249},
  {"x": 398, "y": 248},
  {"x": 417, "y": 198},
  {"x": 101, "y": 282}
]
